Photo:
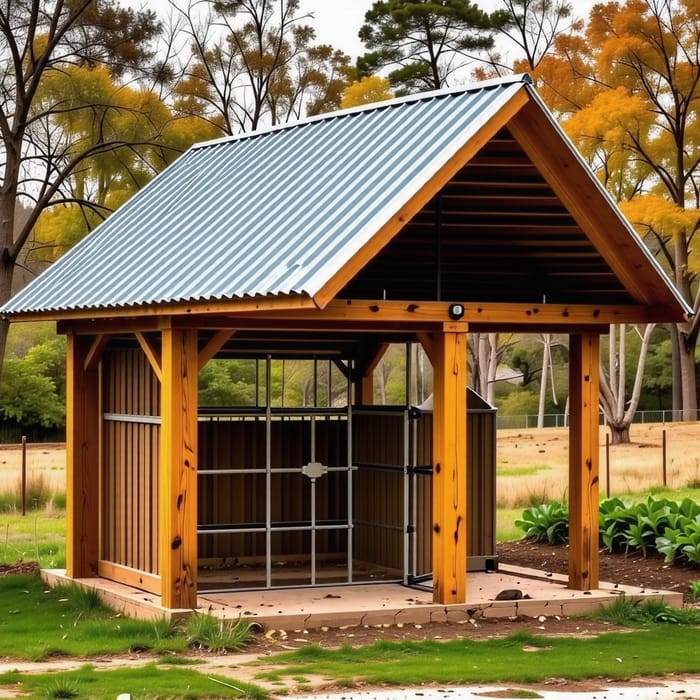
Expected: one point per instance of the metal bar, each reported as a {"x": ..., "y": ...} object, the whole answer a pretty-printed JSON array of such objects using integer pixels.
[
  {"x": 131, "y": 418},
  {"x": 406, "y": 496},
  {"x": 350, "y": 469}
]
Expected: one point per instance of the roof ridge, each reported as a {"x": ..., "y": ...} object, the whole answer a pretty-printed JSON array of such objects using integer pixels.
[{"x": 384, "y": 104}]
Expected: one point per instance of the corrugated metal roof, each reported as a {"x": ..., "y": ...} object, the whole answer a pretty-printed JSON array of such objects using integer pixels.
[{"x": 268, "y": 213}]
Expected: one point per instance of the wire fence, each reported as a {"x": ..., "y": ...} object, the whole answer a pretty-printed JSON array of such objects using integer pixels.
[{"x": 561, "y": 420}]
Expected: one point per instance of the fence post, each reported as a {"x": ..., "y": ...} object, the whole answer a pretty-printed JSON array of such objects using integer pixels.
[
  {"x": 663, "y": 453},
  {"x": 24, "y": 475},
  {"x": 607, "y": 465}
]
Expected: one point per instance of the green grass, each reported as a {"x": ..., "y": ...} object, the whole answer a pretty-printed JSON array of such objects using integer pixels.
[
  {"x": 37, "y": 623},
  {"x": 520, "y": 658},
  {"x": 40, "y": 535},
  {"x": 522, "y": 471},
  {"x": 145, "y": 682},
  {"x": 505, "y": 524},
  {"x": 661, "y": 492}
]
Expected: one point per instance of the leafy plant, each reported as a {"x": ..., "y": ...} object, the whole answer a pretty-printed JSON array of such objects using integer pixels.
[
  {"x": 615, "y": 518},
  {"x": 547, "y": 522},
  {"x": 695, "y": 591},
  {"x": 635, "y": 612},
  {"x": 64, "y": 687},
  {"x": 216, "y": 634}
]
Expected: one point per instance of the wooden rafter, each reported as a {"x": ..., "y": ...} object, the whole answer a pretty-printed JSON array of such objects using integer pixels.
[
  {"x": 96, "y": 350},
  {"x": 213, "y": 346},
  {"x": 585, "y": 201},
  {"x": 152, "y": 353}
]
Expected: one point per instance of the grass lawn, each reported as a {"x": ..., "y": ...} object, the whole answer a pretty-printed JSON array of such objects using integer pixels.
[
  {"x": 68, "y": 622},
  {"x": 520, "y": 658}
]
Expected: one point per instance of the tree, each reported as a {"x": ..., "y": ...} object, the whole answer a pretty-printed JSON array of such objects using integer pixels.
[
  {"x": 39, "y": 43},
  {"x": 426, "y": 42},
  {"x": 628, "y": 91},
  {"x": 619, "y": 410},
  {"x": 533, "y": 27},
  {"x": 253, "y": 63},
  {"x": 32, "y": 390},
  {"x": 368, "y": 90}
]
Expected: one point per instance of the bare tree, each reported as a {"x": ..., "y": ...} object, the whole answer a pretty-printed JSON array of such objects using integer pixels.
[
  {"x": 253, "y": 63},
  {"x": 619, "y": 410},
  {"x": 40, "y": 42}
]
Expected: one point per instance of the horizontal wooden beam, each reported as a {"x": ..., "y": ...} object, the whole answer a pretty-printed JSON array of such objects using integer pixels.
[
  {"x": 371, "y": 314},
  {"x": 400, "y": 316}
]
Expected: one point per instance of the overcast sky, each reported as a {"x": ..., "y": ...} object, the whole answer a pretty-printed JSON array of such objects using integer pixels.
[{"x": 337, "y": 22}]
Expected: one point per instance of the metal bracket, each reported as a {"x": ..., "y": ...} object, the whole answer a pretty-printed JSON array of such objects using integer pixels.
[{"x": 314, "y": 470}]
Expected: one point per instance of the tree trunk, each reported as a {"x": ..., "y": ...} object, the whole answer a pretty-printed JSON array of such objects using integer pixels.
[
  {"x": 619, "y": 433},
  {"x": 688, "y": 383}
]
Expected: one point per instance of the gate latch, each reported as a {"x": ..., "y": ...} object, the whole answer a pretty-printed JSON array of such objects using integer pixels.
[{"x": 314, "y": 470}]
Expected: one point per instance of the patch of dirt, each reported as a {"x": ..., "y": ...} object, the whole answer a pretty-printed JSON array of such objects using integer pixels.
[
  {"x": 650, "y": 573},
  {"x": 29, "y": 567},
  {"x": 633, "y": 569}
]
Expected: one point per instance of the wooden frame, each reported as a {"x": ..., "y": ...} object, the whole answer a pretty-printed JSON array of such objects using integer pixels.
[
  {"x": 82, "y": 459},
  {"x": 583, "y": 460}
]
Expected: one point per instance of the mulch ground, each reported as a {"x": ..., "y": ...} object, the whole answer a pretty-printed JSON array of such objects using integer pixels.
[{"x": 633, "y": 569}]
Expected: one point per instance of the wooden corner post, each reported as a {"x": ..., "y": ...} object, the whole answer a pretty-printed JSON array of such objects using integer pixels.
[
  {"x": 178, "y": 469},
  {"x": 583, "y": 461},
  {"x": 449, "y": 357},
  {"x": 82, "y": 459}
]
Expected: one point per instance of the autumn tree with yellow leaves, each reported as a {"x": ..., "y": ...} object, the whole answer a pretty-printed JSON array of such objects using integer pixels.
[{"x": 627, "y": 91}]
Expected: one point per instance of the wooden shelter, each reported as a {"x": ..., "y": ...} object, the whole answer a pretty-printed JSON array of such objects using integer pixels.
[{"x": 416, "y": 220}]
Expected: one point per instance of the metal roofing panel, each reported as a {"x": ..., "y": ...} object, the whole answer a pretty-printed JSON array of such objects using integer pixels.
[{"x": 268, "y": 213}]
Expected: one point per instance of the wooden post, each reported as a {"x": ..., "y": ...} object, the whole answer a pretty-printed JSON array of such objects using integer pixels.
[
  {"x": 82, "y": 460},
  {"x": 583, "y": 461},
  {"x": 178, "y": 469},
  {"x": 449, "y": 356}
]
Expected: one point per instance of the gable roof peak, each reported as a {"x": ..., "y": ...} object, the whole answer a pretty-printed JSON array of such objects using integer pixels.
[{"x": 501, "y": 82}]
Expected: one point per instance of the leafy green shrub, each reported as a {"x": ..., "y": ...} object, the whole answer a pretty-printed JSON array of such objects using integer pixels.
[
  {"x": 547, "y": 522},
  {"x": 654, "y": 525},
  {"x": 695, "y": 591},
  {"x": 615, "y": 517},
  {"x": 681, "y": 543}
]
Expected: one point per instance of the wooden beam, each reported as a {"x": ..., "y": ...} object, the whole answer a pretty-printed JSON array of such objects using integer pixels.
[
  {"x": 178, "y": 470},
  {"x": 593, "y": 210},
  {"x": 151, "y": 353},
  {"x": 350, "y": 314},
  {"x": 94, "y": 354},
  {"x": 82, "y": 459},
  {"x": 359, "y": 315},
  {"x": 213, "y": 346},
  {"x": 217, "y": 306},
  {"x": 584, "y": 448},
  {"x": 364, "y": 385},
  {"x": 450, "y": 465}
]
